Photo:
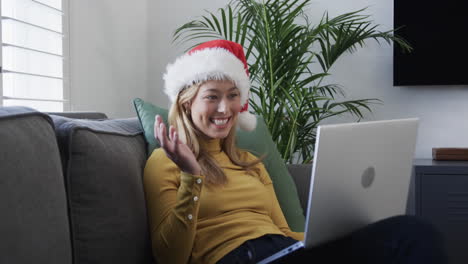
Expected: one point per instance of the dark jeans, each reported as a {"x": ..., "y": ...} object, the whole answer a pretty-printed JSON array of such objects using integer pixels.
[{"x": 399, "y": 239}]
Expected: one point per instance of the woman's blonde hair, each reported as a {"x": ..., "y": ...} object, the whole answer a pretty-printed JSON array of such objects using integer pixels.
[{"x": 180, "y": 118}]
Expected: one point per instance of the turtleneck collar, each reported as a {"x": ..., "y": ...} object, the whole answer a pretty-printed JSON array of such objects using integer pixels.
[{"x": 210, "y": 145}]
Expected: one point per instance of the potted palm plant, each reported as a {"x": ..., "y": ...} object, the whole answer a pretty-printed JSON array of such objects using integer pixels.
[{"x": 281, "y": 47}]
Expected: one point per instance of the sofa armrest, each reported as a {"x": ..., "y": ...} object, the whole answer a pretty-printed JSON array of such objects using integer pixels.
[{"x": 301, "y": 174}]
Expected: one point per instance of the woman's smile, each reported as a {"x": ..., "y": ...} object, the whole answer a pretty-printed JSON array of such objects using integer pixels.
[{"x": 220, "y": 122}]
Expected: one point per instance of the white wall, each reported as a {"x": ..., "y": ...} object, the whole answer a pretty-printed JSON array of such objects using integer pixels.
[
  {"x": 163, "y": 18},
  {"x": 368, "y": 73},
  {"x": 109, "y": 64},
  {"x": 108, "y": 52}
]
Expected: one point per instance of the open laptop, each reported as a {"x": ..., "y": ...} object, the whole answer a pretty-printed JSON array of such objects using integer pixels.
[{"x": 361, "y": 174}]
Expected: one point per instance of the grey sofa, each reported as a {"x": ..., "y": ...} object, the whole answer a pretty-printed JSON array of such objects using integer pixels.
[{"x": 71, "y": 189}]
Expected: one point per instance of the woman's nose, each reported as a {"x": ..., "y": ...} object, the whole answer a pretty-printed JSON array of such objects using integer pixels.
[{"x": 222, "y": 106}]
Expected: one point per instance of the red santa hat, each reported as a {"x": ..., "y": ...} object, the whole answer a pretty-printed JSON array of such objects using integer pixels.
[{"x": 212, "y": 60}]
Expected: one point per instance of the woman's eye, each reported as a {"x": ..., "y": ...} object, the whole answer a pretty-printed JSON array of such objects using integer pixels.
[
  {"x": 211, "y": 97},
  {"x": 234, "y": 95}
]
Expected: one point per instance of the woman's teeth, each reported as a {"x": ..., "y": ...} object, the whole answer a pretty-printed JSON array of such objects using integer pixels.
[{"x": 220, "y": 121}]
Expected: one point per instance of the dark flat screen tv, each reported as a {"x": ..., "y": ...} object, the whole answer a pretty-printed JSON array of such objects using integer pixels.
[{"x": 438, "y": 33}]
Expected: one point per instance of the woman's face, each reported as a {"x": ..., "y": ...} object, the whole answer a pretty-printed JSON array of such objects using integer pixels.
[{"x": 215, "y": 108}]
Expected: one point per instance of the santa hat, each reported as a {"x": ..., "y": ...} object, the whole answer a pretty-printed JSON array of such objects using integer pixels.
[{"x": 212, "y": 60}]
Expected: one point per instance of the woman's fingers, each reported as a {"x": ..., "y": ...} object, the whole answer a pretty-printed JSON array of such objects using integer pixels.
[
  {"x": 172, "y": 137},
  {"x": 171, "y": 133},
  {"x": 176, "y": 138},
  {"x": 169, "y": 140},
  {"x": 176, "y": 141},
  {"x": 162, "y": 135},
  {"x": 158, "y": 133},
  {"x": 156, "y": 127},
  {"x": 159, "y": 130}
]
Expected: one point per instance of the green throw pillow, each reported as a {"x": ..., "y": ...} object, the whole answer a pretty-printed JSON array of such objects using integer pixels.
[
  {"x": 146, "y": 113},
  {"x": 258, "y": 142}
]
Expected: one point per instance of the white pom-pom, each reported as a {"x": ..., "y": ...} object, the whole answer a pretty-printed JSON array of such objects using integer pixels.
[{"x": 247, "y": 121}]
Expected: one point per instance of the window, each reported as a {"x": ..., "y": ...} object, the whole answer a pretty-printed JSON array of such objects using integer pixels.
[{"x": 34, "y": 54}]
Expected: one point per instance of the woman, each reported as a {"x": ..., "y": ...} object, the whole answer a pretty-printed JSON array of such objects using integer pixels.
[{"x": 210, "y": 202}]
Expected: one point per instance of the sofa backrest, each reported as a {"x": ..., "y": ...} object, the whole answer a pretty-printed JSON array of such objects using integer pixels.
[
  {"x": 103, "y": 165},
  {"x": 34, "y": 223}
]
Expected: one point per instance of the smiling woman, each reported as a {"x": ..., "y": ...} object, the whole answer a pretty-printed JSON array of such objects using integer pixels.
[{"x": 205, "y": 196}]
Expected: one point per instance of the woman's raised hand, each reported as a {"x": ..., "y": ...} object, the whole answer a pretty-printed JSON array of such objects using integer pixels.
[{"x": 175, "y": 150}]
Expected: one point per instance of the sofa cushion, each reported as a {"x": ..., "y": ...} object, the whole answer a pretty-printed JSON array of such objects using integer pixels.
[
  {"x": 34, "y": 223},
  {"x": 104, "y": 164},
  {"x": 258, "y": 142}
]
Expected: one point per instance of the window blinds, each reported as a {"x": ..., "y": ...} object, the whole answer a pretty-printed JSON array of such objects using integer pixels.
[{"x": 33, "y": 54}]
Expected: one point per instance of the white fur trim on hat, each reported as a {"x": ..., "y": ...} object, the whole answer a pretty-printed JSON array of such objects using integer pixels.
[{"x": 203, "y": 65}]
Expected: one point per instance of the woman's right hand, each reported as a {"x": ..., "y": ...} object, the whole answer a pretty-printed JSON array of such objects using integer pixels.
[{"x": 176, "y": 150}]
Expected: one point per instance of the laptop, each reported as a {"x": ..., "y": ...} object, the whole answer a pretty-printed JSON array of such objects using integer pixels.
[{"x": 360, "y": 174}]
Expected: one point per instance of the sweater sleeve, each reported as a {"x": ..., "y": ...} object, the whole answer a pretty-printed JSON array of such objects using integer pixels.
[
  {"x": 276, "y": 213},
  {"x": 171, "y": 197}
]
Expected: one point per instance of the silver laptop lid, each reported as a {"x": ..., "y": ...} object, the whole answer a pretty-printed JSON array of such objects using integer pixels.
[{"x": 360, "y": 174}]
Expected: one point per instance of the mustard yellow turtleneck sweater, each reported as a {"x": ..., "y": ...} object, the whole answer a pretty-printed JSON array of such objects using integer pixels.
[{"x": 193, "y": 222}]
